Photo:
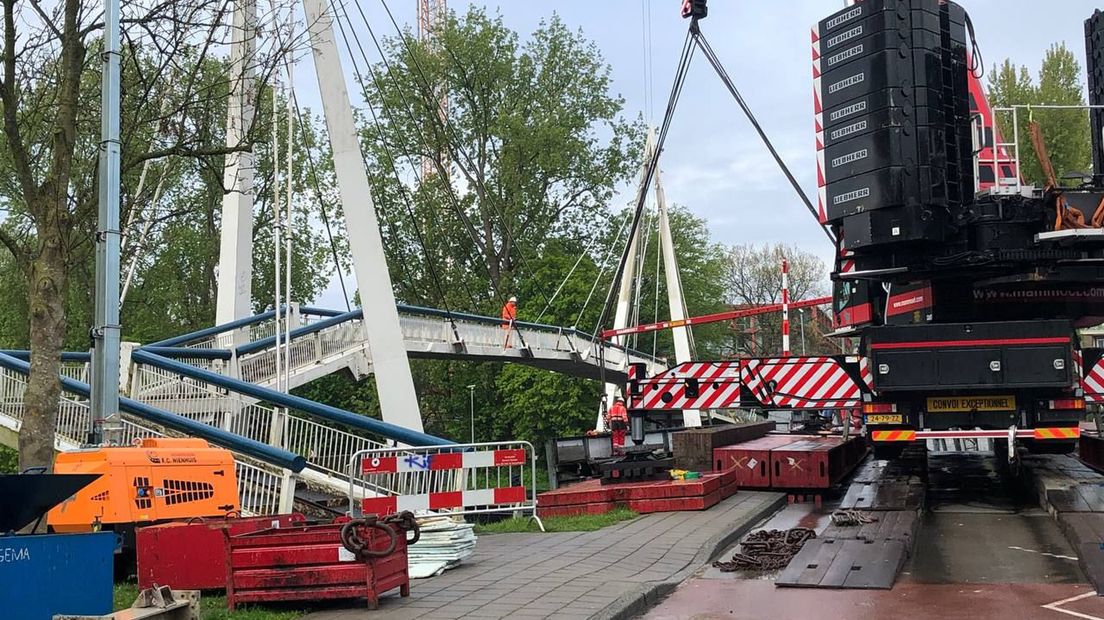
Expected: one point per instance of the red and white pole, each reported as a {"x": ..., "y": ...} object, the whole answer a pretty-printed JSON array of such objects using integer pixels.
[{"x": 785, "y": 308}]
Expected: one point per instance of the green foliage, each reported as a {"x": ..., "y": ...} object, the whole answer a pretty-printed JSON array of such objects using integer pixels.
[
  {"x": 9, "y": 461},
  {"x": 1066, "y": 132},
  {"x": 702, "y": 265},
  {"x": 174, "y": 287},
  {"x": 575, "y": 523},
  {"x": 533, "y": 135},
  {"x": 538, "y": 405}
]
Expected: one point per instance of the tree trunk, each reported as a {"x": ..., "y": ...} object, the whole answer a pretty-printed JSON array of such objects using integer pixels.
[{"x": 47, "y": 312}]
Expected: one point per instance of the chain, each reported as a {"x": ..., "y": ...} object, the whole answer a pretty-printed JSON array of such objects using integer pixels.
[
  {"x": 767, "y": 550},
  {"x": 846, "y": 518},
  {"x": 406, "y": 522}
]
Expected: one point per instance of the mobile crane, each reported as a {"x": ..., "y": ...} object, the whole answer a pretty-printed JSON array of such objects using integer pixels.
[{"x": 963, "y": 287}]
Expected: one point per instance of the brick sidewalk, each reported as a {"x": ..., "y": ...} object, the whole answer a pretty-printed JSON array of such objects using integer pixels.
[{"x": 616, "y": 572}]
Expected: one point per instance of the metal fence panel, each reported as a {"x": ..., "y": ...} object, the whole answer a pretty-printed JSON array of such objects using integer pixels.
[{"x": 456, "y": 479}]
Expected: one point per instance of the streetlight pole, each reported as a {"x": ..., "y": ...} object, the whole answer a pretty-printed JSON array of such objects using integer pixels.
[
  {"x": 801, "y": 318},
  {"x": 471, "y": 392}
]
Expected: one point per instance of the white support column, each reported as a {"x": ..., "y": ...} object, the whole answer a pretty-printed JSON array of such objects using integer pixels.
[
  {"x": 235, "y": 274},
  {"x": 676, "y": 301},
  {"x": 398, "y": 400},
  {"x": 625, "y": 287}
]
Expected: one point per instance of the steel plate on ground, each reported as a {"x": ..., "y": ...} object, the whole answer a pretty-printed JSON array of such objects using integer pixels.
[
  {"x": 890, "y": 495},
  {"x": 890, "y": 525},
  {"x": 860, "y": 564},
  {"x": 879, "y": 470},
  {"x": 1085, "y": 532},
  {"x": 1078, "y": 498}
]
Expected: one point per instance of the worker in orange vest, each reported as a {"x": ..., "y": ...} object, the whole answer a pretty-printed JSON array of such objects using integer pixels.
[
  {"x": 617, "y": 419},
  {"x": 509, "y": 315}
]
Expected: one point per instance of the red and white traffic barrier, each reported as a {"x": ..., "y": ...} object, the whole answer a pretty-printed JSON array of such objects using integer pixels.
[{"x": 457, "y": 478}]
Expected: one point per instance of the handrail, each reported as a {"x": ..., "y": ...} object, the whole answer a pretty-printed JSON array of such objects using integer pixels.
[
  {"x": 264, "y": 343},
  {"x": 256, "y": 449},
  {"x": 213, "y": 331},
  {"x": 333, "y": 414},
  {"x": 197, "y": 353},
  {"x": 319, "y": 311},
  {"x": 66, "y": 356},
  {"x": 488, "y": 320}
]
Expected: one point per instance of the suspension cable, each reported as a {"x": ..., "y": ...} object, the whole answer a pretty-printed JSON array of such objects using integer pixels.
[
  {"x": 452, "y": 144},
  {"x": 313, "y": 170},
  {"x": 659, "y": 255},
  {"x": 450, "y": 192},
  {"x": 408, "y": 201},
  {"x": 583, "y": 254},
  {"x": 711, "y": 56},
  {"x": 649, "y": 171},
  {"x": 377, "y": 82},
  {"x": 406, "y": 198},
  {"x": 601, "y": 271},
  {"x": 424, "y": 142}
]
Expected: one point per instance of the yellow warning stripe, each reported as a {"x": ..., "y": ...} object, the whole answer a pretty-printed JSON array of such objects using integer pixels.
[
  {"x": 1066, "y": 432},
  {"x": 898, "y": 435}
]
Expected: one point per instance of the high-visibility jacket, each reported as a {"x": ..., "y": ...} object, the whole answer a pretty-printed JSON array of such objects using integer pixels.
[
  {"x": 509, "y": 313},
  {"x": 618, "y": 412}
]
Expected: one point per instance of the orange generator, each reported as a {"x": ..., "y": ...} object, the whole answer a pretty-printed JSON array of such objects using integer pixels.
[{"x": 157, "y": 480}]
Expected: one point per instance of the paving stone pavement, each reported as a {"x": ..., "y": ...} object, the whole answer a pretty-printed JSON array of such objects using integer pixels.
[{"x": 614, "y": 573}]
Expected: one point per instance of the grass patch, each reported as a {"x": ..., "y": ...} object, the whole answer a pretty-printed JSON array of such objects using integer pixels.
[
  {"x": 575, "y": 523},
  {"x": 212, "y": 607}
]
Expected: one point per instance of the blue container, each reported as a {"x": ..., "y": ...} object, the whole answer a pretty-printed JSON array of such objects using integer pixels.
[{"x": 43, "y": 575}]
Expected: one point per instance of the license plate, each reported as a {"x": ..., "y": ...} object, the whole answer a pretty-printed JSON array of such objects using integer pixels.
[
  {"x": 952, "y": 404},
  {"x": 884, "y": 419}
]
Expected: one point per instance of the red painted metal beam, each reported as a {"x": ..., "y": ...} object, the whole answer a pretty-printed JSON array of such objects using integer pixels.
[{"x": 713, "y": 318}]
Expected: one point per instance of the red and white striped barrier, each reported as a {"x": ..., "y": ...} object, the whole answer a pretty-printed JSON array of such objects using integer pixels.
[
  {"x": 457, "y": 478},
  {"x": 1093, "y": 381},
  {"x": 785, "y": 308}
]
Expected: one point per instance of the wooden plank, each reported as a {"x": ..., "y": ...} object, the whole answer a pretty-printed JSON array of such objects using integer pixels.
[
  {"x": 693, "y": 448},
  {"x": 860, "y": 564}
]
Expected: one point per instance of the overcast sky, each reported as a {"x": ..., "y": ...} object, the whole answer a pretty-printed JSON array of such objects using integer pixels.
[{"x": 713, "y": 162}]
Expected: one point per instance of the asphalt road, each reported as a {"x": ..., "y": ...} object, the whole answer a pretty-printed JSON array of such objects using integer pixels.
[{"x": 984, "y": 550}]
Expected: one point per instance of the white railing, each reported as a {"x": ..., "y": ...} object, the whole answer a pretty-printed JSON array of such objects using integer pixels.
[
  {"x": 75, "y": 370},
  {"x": 1005, "y": 153},
  {"x": 305, "y": 351},
  {"x": 259, "y": 488},
  {"x": 326, "y": 448}
]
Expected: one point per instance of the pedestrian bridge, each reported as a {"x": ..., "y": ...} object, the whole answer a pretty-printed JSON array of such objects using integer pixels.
[{"x": 222, "y": 378}]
